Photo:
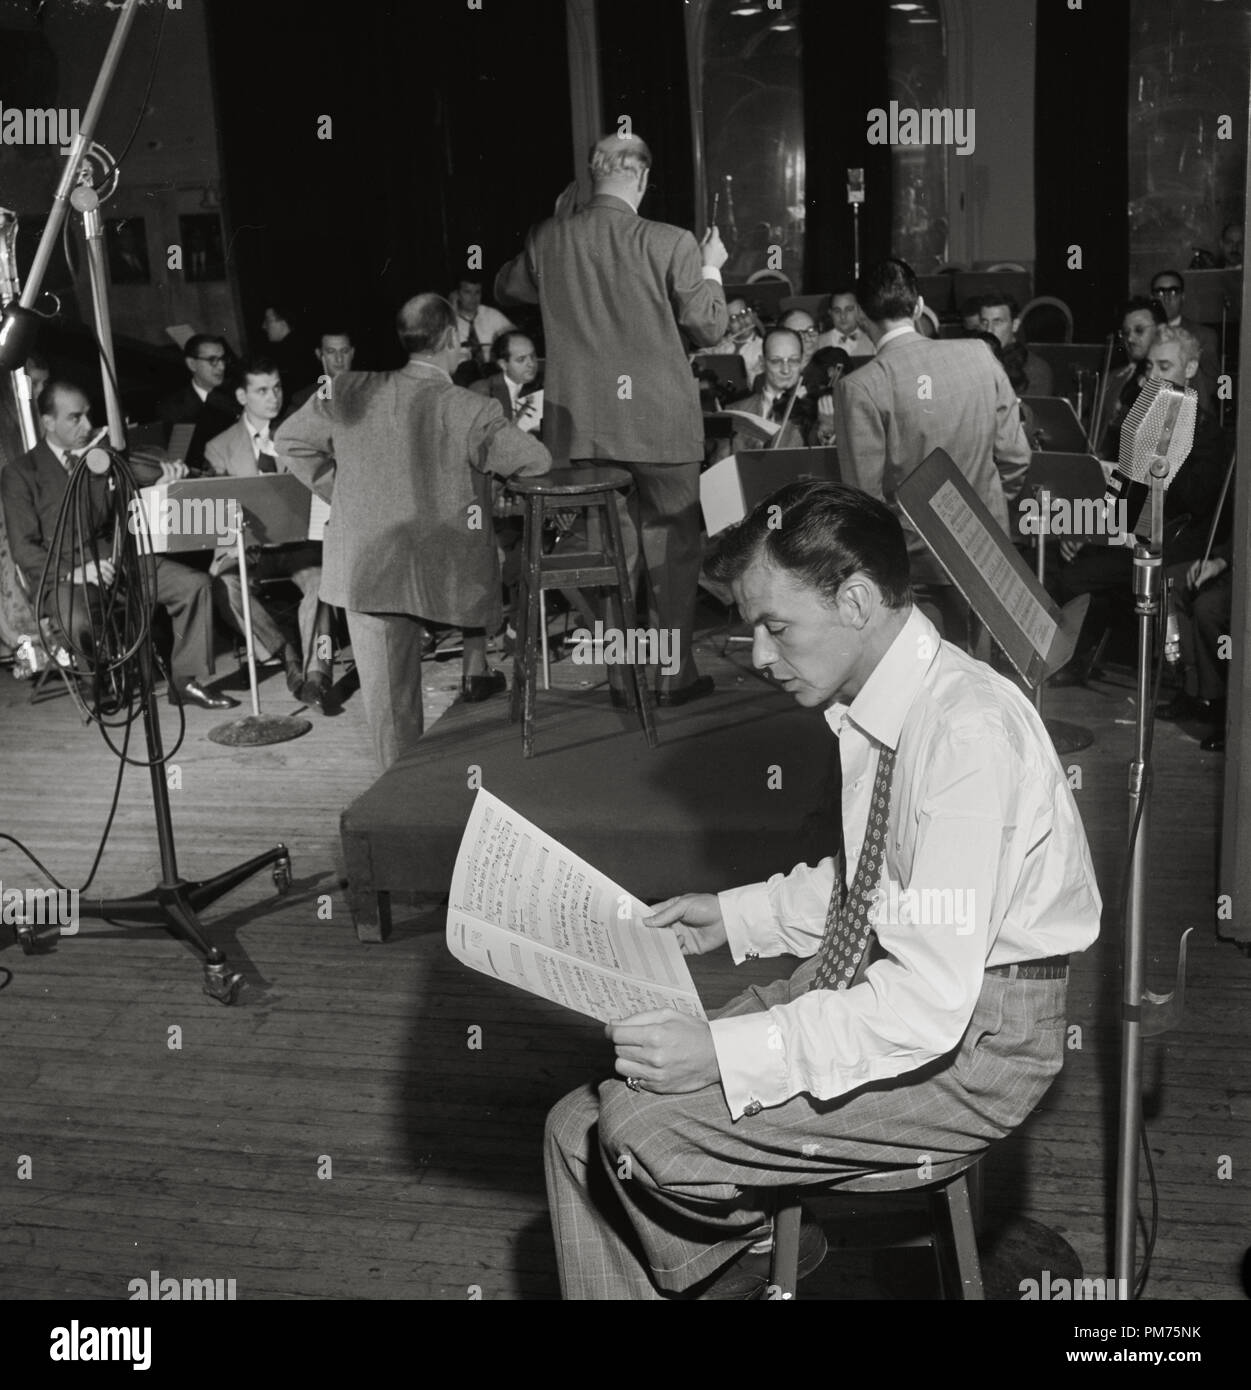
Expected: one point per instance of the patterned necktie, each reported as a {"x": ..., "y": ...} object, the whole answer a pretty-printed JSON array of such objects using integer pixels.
[
  {"x": 71, "y": 461},
  {"x": 844, "y": 947}
]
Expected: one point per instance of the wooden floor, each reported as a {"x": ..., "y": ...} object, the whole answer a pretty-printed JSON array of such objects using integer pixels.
[{"x": 333, "y": 1135}]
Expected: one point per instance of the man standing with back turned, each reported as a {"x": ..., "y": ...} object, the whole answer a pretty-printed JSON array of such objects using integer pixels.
[{"x": 617, "y": 291}]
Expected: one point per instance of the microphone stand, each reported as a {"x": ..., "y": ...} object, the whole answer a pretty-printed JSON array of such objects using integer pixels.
[
  {"x": 174, "y": 902},
  {"x": 1143, "y": 1013}
]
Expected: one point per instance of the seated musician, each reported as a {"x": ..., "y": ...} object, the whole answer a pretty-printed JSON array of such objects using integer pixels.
[
  {"x": 1106, "y": 572},
  {"x": 203, "y": 400},
  {"x": 783, "y": 363},
  {"x": 33, "y": 490},
  {"x": 246, "y": 450},
  {"x": 1139, "y": 319}
]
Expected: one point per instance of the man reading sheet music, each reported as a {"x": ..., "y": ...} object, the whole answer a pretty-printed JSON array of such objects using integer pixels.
[{"x": 927, "y": 1018}]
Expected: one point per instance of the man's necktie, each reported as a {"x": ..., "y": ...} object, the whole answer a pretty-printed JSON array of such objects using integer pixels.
[
  {"x": 844, "y": 946},
  {"x": 71, "y": 461},
  {"x": 472, "y": 341},
  {"x": 264, "y": 462}
]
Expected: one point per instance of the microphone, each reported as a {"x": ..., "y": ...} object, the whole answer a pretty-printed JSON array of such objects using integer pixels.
[{"x": 1156, "y": 438}]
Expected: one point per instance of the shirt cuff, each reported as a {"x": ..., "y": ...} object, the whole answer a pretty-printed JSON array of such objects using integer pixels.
[
  {"x": 750, "y": 926},
  {"x": 751, "y": 1056},
  {"x": 710, "y": 272}
]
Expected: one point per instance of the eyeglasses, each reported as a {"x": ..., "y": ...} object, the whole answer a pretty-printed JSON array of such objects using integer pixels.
[
  {"x": 214, "y": 360},
  {"x": 780, "y": 362},
  {"x": 805, "y": 332},
  {"x": 742, "y": 314},
  {"x": 1166, "y": 289}
]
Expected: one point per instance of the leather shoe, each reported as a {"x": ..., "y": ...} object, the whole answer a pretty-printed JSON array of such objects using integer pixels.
[
  {"x": 697, "y": 689},
  {"x": 318, "y": 693},
  {"x": 474, "y": 689},
  {"x": 1077, "y": 671},
  {"x": 193, "y": 693},
  {"x": 747, "y": 1278},
  {"x": 1214, "y": 743}
]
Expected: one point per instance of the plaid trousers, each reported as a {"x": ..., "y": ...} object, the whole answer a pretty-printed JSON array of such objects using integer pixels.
[{"x": 651, "y": 1194}]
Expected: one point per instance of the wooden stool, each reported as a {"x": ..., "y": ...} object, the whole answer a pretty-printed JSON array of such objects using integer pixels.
[
  {"x": 953, "y": 1196},
  {"x": 561, "y": 490}
]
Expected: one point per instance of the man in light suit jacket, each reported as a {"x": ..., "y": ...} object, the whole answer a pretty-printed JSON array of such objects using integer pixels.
[
  {"x": 919, "y": 394},
  {"x": 617, "y": 293},
  {"x": 406, "y": 459},
  {"x": 246, "y": 450}
]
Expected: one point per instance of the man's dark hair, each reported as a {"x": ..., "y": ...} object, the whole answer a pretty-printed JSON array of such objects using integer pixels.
[
  {"x": 843, "y": 288},
  {"x": 422, "y": 322},
  {"x": 775, "y": 332},
  {"x": 888, "y": 290},
  {"x": 1180, "y": 278},
  {"x": 198, "y": 341},
  {"x": 38, "y": 361},
  {"x": 45, "y": 401},
  {"x": 972, "y": 305},
  {"x": 1144, "y": 304},
  {"x": 502, "y": 344},
  {"x": 820, "y": 533},
  {"x": 996, "y": 299},
  {"x": 258, "y": 365},
  {"x": 339, "y": 331}
]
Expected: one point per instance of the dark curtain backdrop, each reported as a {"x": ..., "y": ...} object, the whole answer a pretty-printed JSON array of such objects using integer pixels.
[
  {"x": 450, "y": 127},
  {"x": 836, "y": 126},
  {"x": 643, "y": 76},
  {"x": 1081, "y": 169}
]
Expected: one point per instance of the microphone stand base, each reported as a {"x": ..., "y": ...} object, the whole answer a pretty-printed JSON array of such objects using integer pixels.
[
  {"x": 1068, "y": 738},
  {"x": 259, "y": 730}
]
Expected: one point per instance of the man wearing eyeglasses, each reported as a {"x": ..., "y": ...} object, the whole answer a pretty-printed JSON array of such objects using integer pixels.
[
  {"x": 1169, "y": 287},
  {"x": 202, "y": 402},
  {"x": 783, "y": 363},
  {"x": 1140, "y": 317},
  {"x": 743, "y": 338}
]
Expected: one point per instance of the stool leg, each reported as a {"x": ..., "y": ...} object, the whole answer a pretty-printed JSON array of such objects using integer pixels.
[
  {"x": 534, "y": 591},
  {"x": 547, "y": 668},
  {"x": 533, "y": 526},
  {"x": 614, "y": 548},
  {"x": 784, "y": 1266},
  {"x": 955, "y": 1244}
]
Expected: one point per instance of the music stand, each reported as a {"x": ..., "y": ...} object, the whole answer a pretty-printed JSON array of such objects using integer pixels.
[{"x": 1056, "y": 426}]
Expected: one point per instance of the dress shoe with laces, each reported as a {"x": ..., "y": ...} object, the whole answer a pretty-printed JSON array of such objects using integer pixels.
[
  {"x": 193, "y": 693},
  {"x": 1214, "y": 743},
  {"x": 474, "y": 689}
]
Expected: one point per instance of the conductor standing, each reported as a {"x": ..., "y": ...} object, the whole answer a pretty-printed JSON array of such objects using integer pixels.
[{"x": 623, "y": 299}]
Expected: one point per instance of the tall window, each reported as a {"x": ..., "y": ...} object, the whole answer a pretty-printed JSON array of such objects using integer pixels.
[
  {"x": 918, "y": 81},
  {"x": 753, "y": 133},
  {"x": 1188, "y": 70}
]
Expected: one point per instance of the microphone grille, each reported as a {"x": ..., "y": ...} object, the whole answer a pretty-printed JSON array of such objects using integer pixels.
[{"x": 1161, "y": 423}]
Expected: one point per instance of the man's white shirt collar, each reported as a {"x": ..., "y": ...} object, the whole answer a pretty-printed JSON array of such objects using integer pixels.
[
  {"x": 895, "y": 333},
  {"x": 200, "y": 391},
  {"x": 882, "y": 705}
]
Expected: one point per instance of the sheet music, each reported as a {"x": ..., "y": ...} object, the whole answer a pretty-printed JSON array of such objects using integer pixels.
[
  {"x": 530, "y": 912},
  {"x": 978, "y": 544}
]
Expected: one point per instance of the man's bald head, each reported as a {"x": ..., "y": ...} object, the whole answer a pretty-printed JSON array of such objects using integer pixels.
[
  {"x": 620, "y": 165},
  {"x": 423, "y": 322}
]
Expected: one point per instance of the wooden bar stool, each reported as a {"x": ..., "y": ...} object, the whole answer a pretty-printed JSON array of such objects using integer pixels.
[
  {"x": 565, "y": 489},
  {"x": 953, "y": 1198}
]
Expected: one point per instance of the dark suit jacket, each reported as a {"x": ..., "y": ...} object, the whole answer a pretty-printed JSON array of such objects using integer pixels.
[
  {"x": 798, "y": 429},
  {"x": 210, "y": 417},
  {"x": 1190, "y": 502},
  {"x": 404, "y": 457},
  {"x": 920, "y": 394},
  {"x": 495, "y": 387},
  {"x": 33, "y": 488},
  {"x": 617, "y": 291}
]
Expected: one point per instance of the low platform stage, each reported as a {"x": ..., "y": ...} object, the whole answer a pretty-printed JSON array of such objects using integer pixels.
[{"x": 732, "y": 794}]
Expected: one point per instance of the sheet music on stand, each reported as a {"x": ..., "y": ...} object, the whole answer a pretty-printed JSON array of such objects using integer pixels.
[
  {"x": 984, "y": 565},
  {"x": 530, "y": 912}
]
